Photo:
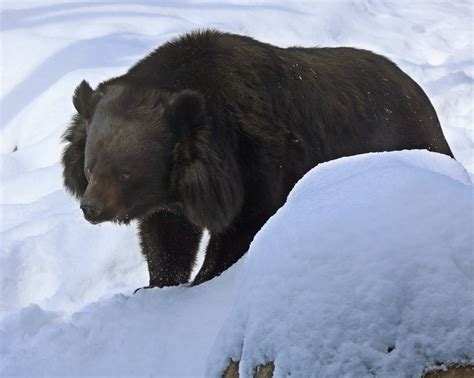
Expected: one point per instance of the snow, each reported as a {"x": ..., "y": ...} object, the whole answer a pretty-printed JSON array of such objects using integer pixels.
[
  {"x": 153, "y": 333},
  {"x": 369, "y": 253},
  {"x": 65, "y": 286}
]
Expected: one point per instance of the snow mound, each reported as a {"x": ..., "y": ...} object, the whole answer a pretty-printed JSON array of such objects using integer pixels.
[
  {"x": 366, "y": 270},
  {"x": 157, "y": 332}
]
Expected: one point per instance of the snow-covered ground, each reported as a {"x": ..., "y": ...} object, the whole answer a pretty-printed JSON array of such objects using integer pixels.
[{"x": 53, "y": 264}]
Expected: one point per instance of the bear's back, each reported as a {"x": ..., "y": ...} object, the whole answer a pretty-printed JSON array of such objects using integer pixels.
[
  {"x": 198, "y": 60},
  {"x": 335, "y": 101}
]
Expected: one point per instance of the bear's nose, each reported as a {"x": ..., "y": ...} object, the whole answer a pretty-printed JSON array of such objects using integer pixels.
[{"x": 90, "y": 209}]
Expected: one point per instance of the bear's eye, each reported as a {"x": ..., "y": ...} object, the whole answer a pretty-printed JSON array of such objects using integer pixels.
[{"x": 125, "y": 176}]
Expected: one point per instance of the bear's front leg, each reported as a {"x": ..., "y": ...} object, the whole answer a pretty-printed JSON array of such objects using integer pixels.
[{"x": 169, "y": 243}]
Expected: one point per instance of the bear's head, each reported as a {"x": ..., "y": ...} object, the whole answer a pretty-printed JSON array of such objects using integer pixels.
[{"x": 129, "y": 150}]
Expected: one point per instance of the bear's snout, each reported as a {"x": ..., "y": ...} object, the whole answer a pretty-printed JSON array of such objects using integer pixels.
[
  {"x": 91, "y": 209},
  {"x": 101, "y": 201}
]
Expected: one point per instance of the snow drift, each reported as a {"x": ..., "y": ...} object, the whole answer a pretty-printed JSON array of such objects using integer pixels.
[
  {"x": 370, "y": 253},
  {"x": 366, "y": 270}
]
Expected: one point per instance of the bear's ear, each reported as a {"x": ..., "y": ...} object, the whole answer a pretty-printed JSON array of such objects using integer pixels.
[
  {"x": 81, "y": 99},
  {"x": 187, "y": 111},
  {"x": 85, "y": 99}
]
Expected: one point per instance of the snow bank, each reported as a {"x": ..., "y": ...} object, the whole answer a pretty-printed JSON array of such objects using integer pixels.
[
  {"x": 370, "y": 253},
  {"x": 157, "y": 332}
]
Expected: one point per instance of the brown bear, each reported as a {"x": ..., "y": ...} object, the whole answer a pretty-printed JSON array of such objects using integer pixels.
[{"x": 212, "y": 130}]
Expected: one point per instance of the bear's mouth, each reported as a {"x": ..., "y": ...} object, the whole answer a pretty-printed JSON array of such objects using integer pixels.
[
  {"x": 122, "y": 216},
  {"x": 95, "y": 221}
]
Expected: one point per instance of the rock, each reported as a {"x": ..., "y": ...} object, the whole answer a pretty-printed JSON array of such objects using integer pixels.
[
  {"x": 262, "y": 371},
  {"x": 460, "y": 371}
]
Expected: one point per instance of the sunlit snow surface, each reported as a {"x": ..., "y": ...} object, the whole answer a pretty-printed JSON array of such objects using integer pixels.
[
  {"x": 52, "y": 263},
  {"x": 367, "y": 270}
]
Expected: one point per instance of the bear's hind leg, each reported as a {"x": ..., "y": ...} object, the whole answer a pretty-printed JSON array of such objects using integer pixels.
[
  {"x": 226, "y": 248},
  {"x": 169, "y": 243}
]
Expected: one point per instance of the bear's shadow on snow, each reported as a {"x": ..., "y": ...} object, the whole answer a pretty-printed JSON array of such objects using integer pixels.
[
  {"x": 84, "y": 54},
  {"x": 37, "y": 16}
]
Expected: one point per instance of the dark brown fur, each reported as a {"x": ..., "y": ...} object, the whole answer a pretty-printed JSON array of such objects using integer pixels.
[{"x": 212, "y": 130}]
